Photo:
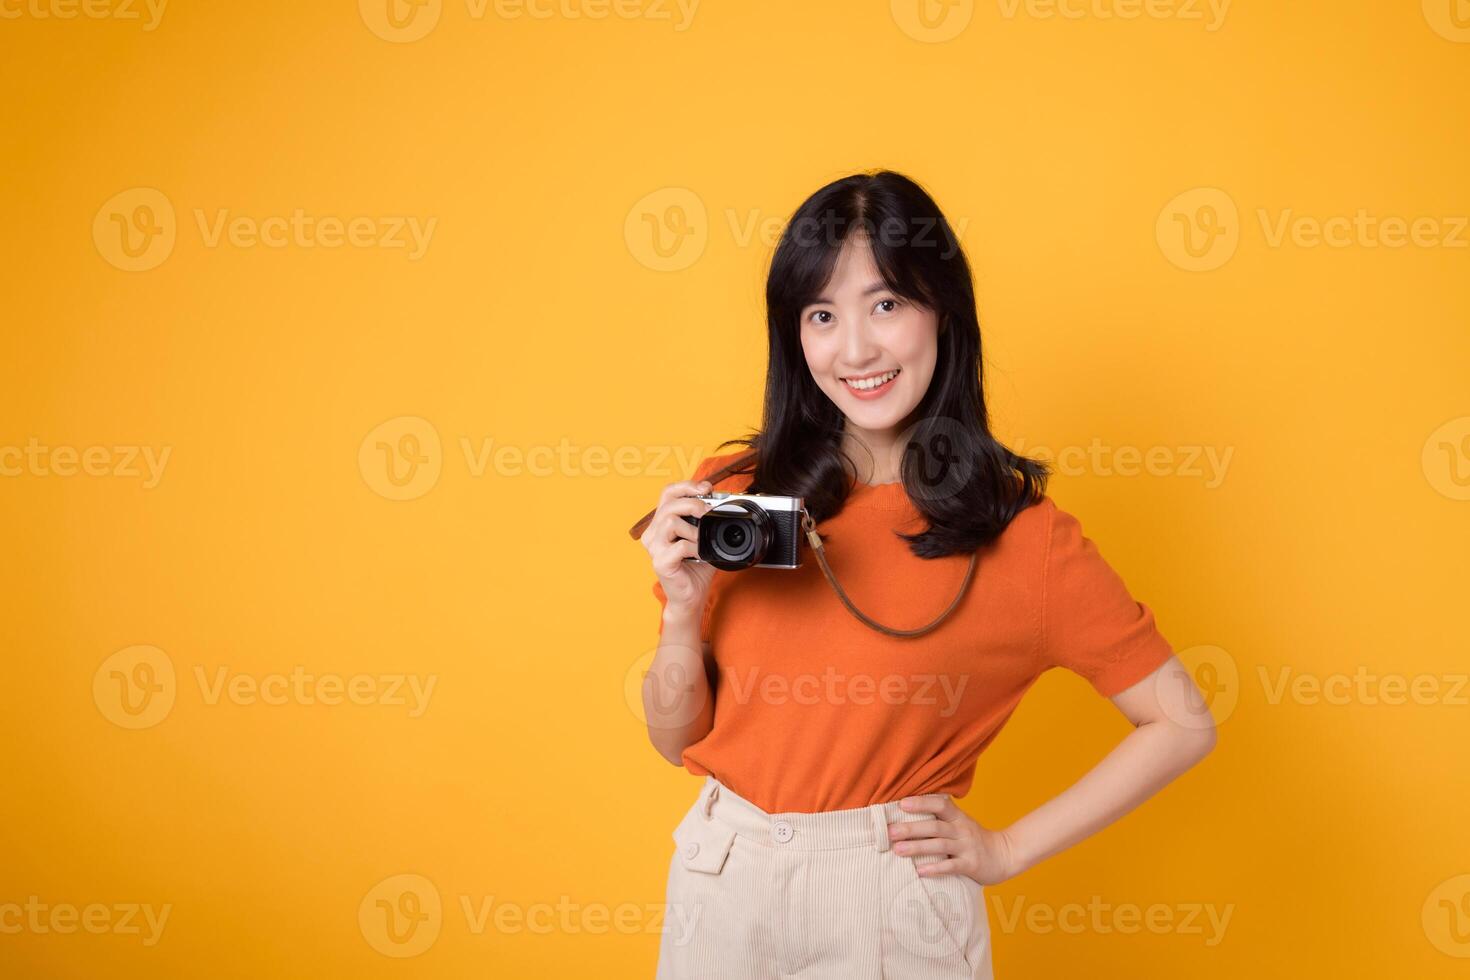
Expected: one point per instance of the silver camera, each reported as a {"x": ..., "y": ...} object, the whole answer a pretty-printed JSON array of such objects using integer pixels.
[{"x": 749, "y": 530}]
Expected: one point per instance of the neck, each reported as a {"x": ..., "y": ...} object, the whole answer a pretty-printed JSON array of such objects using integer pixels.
[{"x": 875, "y": 455}]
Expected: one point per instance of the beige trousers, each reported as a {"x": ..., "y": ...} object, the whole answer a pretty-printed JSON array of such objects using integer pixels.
[{"x": 818, "y": 896}]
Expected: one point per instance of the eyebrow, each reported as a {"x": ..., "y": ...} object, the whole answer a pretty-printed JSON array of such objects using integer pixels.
[{"x": 877, "y": 287}]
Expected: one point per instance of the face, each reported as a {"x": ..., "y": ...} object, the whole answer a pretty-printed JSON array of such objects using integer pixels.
[{"x": 859, "y": 328}]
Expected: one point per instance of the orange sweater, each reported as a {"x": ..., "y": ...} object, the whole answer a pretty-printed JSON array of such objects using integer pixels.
[{"x": 816, "y": 711}]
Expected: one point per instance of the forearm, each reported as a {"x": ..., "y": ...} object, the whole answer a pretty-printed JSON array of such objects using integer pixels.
[
  {"x": 676, "y": 691},
  {"x": 1145, "y": 761}
]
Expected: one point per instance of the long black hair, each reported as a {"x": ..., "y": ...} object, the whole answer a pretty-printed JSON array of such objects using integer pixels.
[{"x": 957, "y": 474}]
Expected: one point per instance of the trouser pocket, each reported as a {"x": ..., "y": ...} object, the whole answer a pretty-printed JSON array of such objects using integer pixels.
[
  {"x": 702, "y": 844},
  {"x": 703, "y": 910},
  {"x": 932, "y": 925}
]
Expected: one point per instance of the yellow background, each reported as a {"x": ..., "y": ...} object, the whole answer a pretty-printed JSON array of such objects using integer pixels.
[{"x": 542, "y": 314}]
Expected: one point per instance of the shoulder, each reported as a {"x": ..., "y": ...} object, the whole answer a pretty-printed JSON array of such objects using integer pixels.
[
  {"x": 1033, "y": 525},
  {"x": 1050, "y": 528},
  {"x": 1040, "y": 535}
]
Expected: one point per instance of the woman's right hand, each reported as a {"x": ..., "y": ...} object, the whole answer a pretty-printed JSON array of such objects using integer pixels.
[{"x": 670, "y": 539}]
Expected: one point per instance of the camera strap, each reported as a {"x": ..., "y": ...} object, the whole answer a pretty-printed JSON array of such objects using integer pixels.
[{"x": 810, "y": 527}]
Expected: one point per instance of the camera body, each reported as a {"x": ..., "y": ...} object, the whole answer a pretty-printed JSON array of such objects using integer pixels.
[{"x": 749, "y": 530}]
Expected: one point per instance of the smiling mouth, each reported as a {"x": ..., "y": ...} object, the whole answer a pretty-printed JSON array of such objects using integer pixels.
[{"x": 873, "y": 381}]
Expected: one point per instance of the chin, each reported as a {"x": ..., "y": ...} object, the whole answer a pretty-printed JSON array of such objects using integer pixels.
[{"x": 878, "y": 419}]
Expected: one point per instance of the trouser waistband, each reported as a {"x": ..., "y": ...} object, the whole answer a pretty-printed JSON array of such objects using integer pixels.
[{"x": 864, "y": 826}]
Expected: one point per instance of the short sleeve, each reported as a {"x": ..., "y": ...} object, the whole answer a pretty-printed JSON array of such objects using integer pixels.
[{"x": 1090, "y": 624}]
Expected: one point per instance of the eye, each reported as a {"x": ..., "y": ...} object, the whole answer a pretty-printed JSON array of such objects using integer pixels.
[
  {"x": 894, "y": 303},
  {"x": 817, "y": 313}
]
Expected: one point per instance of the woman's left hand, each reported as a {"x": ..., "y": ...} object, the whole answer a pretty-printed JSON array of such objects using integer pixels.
[{"x": 985, "y": 855}]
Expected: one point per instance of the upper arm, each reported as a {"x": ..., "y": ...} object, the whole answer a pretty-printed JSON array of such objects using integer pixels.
[
  {"x": 1093, "y": 626},
  {"x": 1168, "y": 695}
]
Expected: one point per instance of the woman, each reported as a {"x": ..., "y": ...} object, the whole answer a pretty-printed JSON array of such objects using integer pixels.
[{"x": 825, "y": 841}]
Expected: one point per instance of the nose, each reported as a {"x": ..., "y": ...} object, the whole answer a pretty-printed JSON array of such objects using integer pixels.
[{"x": 858, "y": 348}]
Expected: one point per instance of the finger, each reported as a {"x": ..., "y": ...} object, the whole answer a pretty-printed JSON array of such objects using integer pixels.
[
  {"x": 668, "y": 524},
  {"x": 671, "y": 523},
  {"x": 671, "y": 557},
  {"x": 928, "y": 803},
  {"x": 949, "y": 866},
  {"x": 929, "y": 845},
  {"x": 685, "y": 530},
  {"x": 684, "y": 488},
  {"x": 914, "y": 829},
  {"x": 683, "y": 505}
]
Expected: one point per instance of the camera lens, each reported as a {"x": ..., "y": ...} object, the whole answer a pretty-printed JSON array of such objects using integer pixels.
[
  {"x": 732, "y": 541},
  {"x": 736, "y": 539}
]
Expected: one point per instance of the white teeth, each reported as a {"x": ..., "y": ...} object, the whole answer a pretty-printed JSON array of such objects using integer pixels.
[{"x": 872, "y": 382}]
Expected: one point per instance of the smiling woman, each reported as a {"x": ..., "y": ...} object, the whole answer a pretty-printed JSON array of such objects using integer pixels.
[{"x": 827, "y": 836}]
